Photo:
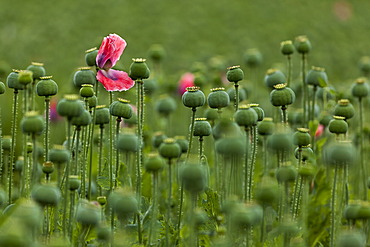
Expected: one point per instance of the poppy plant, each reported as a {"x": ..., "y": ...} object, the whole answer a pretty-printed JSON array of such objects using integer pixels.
[{"x": 109, "y": 53}]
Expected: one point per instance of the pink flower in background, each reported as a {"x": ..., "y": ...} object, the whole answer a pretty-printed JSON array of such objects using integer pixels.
[
  {"x": 109, "y": 53},
  {"x": 342, "y": 10},
  {"x": 186, "y": 80},
  {"x": 320, "y": 130},
  {"x": 54, "y": 117}
]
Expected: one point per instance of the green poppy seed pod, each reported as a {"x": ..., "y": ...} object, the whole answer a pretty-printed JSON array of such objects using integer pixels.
[
  {"x": 156, "y": 53},
  {"x": 202, "y": 127},
  {"x": 90, "y": 56},
  {"x": 364, "y": 65},
  {"x": 231, "y": 146},
  {"x": 193, "y": 177},
  {"x": 339, "y": 153},
  {"x": 125, "y": 205},
  {"x": 127, "y": 142},
  {"x": 287, "y": 47},
  {"x": 302, "y": 44},
  {"x": 282, "y": 95},
  {"x": 306, "y": 152},
  {"x": 301, "y": 137},
  {"x": 87, "y": 214},
  {"x": 183, "y": 142},
  {"x": 84, "y": 76},
  {"x": 6, "y": 143},
  {"x": 102, "y": 200},
  {"x": 74, "y": 183},
  {"x": 12, "y": 81},
  {"x": 234, "y": 74},
  {"x": 360, "y": 88},
  {"x": 274, "y": 77},
  {"x": 69, "y": 106},
  {"x": 158, "y": 138},
  {"x": 225, "y": 127},
  {"x": 351, "y": 238},
  {"x": 153, "y": 163},
  {"x": 104, "y": 234},
  {"x": 193, "y": 97},
  {"x": 46, "y": 86},
  {"x": 2, "y": 87},
  {"x": 286, "y": 174},
  {"x": 253, "y": 58},
  {"x": 121, "y": 108},
  {"x": 166, "y": 105},
  {"x": 170, "y": 149},
  {"x": 364, "y": 211},
  {"x": 317, "y": 77},
  {"x": 325, "y": 120},
  {"x": 87, "y": 90},
  {"x": 102, "y": 115},
  {"x": 47, "y": 167},
  {"x": 37, "y": 69},
  {"x": 307, "y": 171},
  {"x": 199, "y": 79},
  {"x": 267, "y": 192},
  {"x": 92, "y": 101},
  {"x": 19, "y": 163},
  {"x": 84, "y": 119},
  {"x": 218, "y": 98},
  {"x": 266, "y": 127},
  {"x": 59, "y": 155},
  {"x": 245, "y": 216},
  {"x": 338, "y": 125},
  {"x": 150, "y": 86},
  {"x": 245, "y": 116},
  {"x": 280, "y": 142},
  {"x": 26, "y": 212},
  {"x": 46, "y": 195},
  {"x": 351, "y": 211},
  {"x": 344, "y": 109},
  {"x": 32, "y": 123},
  {"x": 138, "y": 69},
  {"x": 260, "y": 112},
  {"x": 211, "y": 114},
  {"x": 242, "y": 94},
  {"x": 25, "y": 77}
]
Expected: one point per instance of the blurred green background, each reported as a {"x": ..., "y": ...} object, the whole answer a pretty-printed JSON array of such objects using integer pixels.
[{"x": 58, "y": 32}]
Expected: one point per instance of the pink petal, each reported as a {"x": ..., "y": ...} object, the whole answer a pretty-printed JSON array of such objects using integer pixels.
[
  {"x": 187, "y": 80},
  {"x": 115, "y": 80},
  {"x": 110, "y": 51}
]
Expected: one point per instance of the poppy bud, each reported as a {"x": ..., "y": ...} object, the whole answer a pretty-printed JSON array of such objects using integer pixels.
[
  {"x": 360, "y": 88},
  {"x": 90, "y": 56},
  {"x": 274, "y": 77},
  {"x": 69, "y": 106},
  {"x": 32, "y": 123},
  {"x": 218, "y": 98},
  {"x": 202, "y": 127},
  {"x": 301, "y": 137},
  {"x": 138, "y": 69},
  {"x": 121, "y": 108},
  {"x": 127, "y": 142},
  {"x": 87, "y": 91},
  {"x": 246, "y": 116},
  {"x": 46, "y": 195},
  {"x": 193, "y": 97},
  {"x": 25, "y": 77},
  {"x": 83, "y": 119},
  {"x": 282, "y": 95},
  {"x": 169, "y": 149},
  {"x": 302, "y": 44},
  {"x": 102, "y": 115},
  {"x": 338, "y": 125},
  {"x": 37, "y": 69},
  {"x": 46, "y": 86},
  {"x": 266, "y": 127},
  {"x": 234, "y": 74},
  {"x": 166, "y": 105},
  {"x": 153, "y": 163},
  {"x": 84, "y": 76},
  {"x": 287, "y": 47}
]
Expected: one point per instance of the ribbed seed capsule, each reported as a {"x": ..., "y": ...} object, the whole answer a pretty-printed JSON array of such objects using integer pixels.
[
  {"x": 59, "y": 155},
  {"x": 282, "y": 95},
  {"x": 84, "y": 76},
  {"x": 231, "y": 146},
  {"x": 267, "y": 192},
  {"x": 37, "y": 69},
  {"x": 338, "y": 125},
  {"x": 46, "y": 86},
  {"x": 25, "y": 77},
  {"x": 90, "y": 56},
  {"x": 266, "y": 127},
  {"x": 102, "y": 115},
  {"x": 32, "y": 123},
  {"x": 87, "y": 90},
  {"x": 286, "y": 174},
  {"x": 6, "y": 143},
  {"x": 317, "y": 77},
  {"x": 169, "y": 149},
  {"x": 234, "y": 74},
  {"x": 246, "y": 116},
  {"x": 139, "y": 69},
  {"x": 225, "y": 127},
  {"x": 302, "y": 44},
  {"x": 253, "y": 58},
  {"x": 340, "y": 153},
  {"x": 166, "y": 105},
  {"x": 87, "y": 214},
  {"x": 183, "y": 142},
  {"x": 47, "y": 167},
  {"x": 260, "y": 112},
  {"x": 124, "y": 205},
  {"x": 193, "y": 97},
  {"x": 202, "y": 127},
  {"x": 287, "y": 47},
  {"x": 360, "y": 88},
  {"x": 69, "y": 106},
  {"x": 46, "y": 195},
  {"x": 211, "y": 114},
  {"x": 158, "y": 138},
  {"x": 280, "y": 142},
  {"x": 193, "y": 177},
  {"x": 153, "y": 163},
  {"x": 2, "y": 87},
  {"x": 121, "y": 108},
  {"x": 127, "y": 142},
  {"x": 218, "y": 98},
  {"x": 74, "y": 183},
  {"x": 306, "y": 152},
  {"x": 345, "y": 109},
  {"x": 245, "y": 216},
  {"x": 83, "y": 119},
  {"x": 157, "y": 53},
  {"x": 274, "y": 77},
  {"x": 301, "y": 137},
  {"x": 351, "y": 238},
  {"x": 12, "y": 81}
]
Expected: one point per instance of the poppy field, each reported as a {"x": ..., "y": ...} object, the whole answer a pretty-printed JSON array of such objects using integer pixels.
[{"x": 238, "y": 140}]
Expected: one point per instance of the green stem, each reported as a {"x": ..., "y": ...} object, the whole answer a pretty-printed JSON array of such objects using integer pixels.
[
  {"x": 118, "y": 123},
  {"x": 12, "y": 149},
  {"x": 297, "y": 187},
  {"x": 111, "y": 162},
  {"x": 100, "y": 166},
  {"x": 71, "y": 213},
  {"x": 191, "y": 133},
  {"x": 169, "y": 202},
  {"x": 154, "y": 208},
  {"x": 47, "y": 119},
  {"x": 90, "y": 145},
  {"x": 83, "y": 166},
  {"x": 313, "y": 115},
  {"x": 236, "y": 85},
  {"x": 246, "y": 166},
  {"x": 253, "y": 161},
  {"x": 333, "y": 207},
  {"x": 200, "y": 147},
  {"x": 284, "y": 115},
  {"x": 289, "y": 70},
  {"x": 304, "y": 89},
  {"x": 66, "y": 175},
  {"x": 364, "y": 171}
]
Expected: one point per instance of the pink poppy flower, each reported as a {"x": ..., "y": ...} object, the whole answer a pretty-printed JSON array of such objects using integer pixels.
[
  {"x": 320, "y": 130},
  {"x": 109, "y": 53},
  {"x": 186, "y": 80}
]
